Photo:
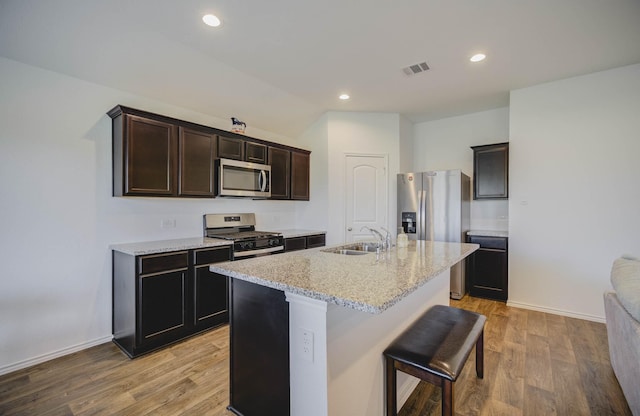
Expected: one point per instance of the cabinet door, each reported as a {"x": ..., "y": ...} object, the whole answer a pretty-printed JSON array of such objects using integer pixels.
[
  {"x": 295, "y": 243},
  {"x": 300, "y": 175},
  {"x": 280, "y": 161},
  {"x": 491, "y": 171},
  {"x": 255, "y": 152},
  {"x": 230, "y": 148},
  {"x": 488, "y": 268},
  {"x": 210, "y": 297},
  {"x": 197, "y": 152},
  {"x": 150, "y": 157},
  {"x": 161, "y": 306},
  {"x": 210, "y": 290},
  {"x": 316, "y": 241}
]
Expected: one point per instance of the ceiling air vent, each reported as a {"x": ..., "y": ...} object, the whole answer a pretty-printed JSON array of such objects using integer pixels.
[{"x": 416, "y": 69}]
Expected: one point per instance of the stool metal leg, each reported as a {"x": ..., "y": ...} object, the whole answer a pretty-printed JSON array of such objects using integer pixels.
[{"x": 392, "y": 398}]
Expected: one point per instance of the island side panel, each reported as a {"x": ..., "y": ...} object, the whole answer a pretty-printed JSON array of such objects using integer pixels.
[
  {"x": 308, "y": 358},
  {"x": 259, "y": 350},
  {"x": 356, "y": 341}
]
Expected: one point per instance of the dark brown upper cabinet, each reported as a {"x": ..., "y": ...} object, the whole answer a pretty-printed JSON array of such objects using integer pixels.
[
  {"x": 230, "y": 148},
  {"x": 197, "y": 152},
  {"x": 300, "y": 167},
  {"x": 155, "y": 155},
  {"x": 255, "y": 152},
  {"x": 144, "y": 156},
  {"x": 280, "y": 161},
  {"x": 491, "y": 171}
]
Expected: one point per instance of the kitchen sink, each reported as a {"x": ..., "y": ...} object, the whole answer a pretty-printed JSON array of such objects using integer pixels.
[
  {"x": 354, "y": 249},
  {"x": 347, "y": 252}
]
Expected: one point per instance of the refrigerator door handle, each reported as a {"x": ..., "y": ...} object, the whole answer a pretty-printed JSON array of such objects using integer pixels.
[{"x": 420, "y": 216}]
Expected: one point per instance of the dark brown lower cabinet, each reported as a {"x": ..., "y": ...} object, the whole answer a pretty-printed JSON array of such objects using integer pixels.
[
  {"x": 259, "y": 350},
  {"x": 304, "y": 242},
  {"x": 488, "y": 268},
  {"x": 161, "y": 298},
  {"x": 162, "y": 305},
  {"x": 208, "y": 311}
]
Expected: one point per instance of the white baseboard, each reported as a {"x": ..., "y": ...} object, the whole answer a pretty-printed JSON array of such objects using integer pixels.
[
  {"x": 406, "y": 389},
  {"x": 54, "y": 354},
  {"x": 557, "y": 311}
]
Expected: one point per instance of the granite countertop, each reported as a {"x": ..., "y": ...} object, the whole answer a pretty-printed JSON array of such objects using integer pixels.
[
  {"x": 488, "y": 233},
  {"x": 291, "y": 233},
  {"x": 165, "y": 246},
  {"x": 367, "y": 283}
]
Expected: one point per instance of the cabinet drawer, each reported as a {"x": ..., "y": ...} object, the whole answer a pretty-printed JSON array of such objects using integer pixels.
[
  {"x": 499, "y": 243},
  {"x": 211, "y": 255},
  {"x": 316, "y": 241},
  {"x": 296, "y": 243},
  {"x": 163, "y": 262}
]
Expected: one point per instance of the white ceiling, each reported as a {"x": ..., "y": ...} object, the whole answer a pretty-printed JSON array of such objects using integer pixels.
[{"x": 279, "y": 64}]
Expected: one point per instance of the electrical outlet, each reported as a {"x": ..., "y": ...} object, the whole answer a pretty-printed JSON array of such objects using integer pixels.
[
  {"x": 168, "y": 223},
  {"x": 306, "y": 344}
]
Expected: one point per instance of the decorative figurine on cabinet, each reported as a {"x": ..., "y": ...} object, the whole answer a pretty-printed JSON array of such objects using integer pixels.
[{"x": 237, "y": 126}]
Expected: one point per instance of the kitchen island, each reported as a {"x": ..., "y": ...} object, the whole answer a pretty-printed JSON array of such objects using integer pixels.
[{"x": 308, "y": 328}]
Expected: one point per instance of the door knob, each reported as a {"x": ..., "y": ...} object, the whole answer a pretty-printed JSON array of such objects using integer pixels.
[{"x": 349, "y": 229}]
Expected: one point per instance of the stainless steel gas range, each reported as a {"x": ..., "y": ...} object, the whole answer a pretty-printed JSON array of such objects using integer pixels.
[{"x": 241, "y": 229}]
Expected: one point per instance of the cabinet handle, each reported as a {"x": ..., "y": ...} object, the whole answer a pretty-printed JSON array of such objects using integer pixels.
[
  {"x": 496, "y": 250},
  {"x": 163, "y": 272}
]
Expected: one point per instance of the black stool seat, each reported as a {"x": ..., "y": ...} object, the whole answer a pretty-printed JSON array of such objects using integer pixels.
[{"x": 435, "y": 349}]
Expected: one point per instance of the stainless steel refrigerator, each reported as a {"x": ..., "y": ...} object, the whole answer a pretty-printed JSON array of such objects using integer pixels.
[{"x": 435, "y": 206}]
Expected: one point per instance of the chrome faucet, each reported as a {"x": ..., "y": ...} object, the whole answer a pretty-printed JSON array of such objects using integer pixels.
[
  {"x": 387, "y": 238},
  {"x": 382, "y": 241}
]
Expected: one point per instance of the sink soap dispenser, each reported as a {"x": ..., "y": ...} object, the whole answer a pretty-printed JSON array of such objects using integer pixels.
[{"x": 402, "y": 240}]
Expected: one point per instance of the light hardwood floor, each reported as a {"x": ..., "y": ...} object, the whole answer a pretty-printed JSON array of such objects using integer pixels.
[{"x": 535, "y": 364}]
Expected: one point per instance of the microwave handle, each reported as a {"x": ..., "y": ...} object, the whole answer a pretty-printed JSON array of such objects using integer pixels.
[{"x": 263, "y": 180}]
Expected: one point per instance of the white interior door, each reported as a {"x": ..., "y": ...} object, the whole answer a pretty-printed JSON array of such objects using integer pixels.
[{"x": 366, "y": 195}]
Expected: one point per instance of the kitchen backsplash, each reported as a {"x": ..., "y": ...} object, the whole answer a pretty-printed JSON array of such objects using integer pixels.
[{"x": 490, "y": 215}]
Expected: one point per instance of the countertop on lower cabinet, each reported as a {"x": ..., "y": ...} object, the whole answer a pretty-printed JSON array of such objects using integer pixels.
[
  {"x": 165, "y": 246},
  {"x": 369, "y": 283},
  {"x": 292, "y": 233},
  {"x": 488, "y": 233}
]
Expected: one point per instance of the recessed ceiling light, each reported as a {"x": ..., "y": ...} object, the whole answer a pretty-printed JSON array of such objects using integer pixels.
[
  {"x": 478, "y": 57},
  {"x": 211, "y": 20},
  {"x": 344, "y": 96}
]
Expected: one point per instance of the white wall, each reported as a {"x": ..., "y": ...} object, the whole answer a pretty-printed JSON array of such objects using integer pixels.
[
  {"x": 313, "y": 215},
  {"x": 406, "y": 145},
  {"x": 58, "y": 217},
  {"x": 574, "y": 187},
  {"x": 330, "y": 139},
  {"x": 361, "y": 133},
  {"x": 446, "y": 144}
]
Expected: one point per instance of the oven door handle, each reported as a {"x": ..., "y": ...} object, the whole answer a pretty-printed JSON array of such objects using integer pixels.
[{"x": 255, "y": 252}]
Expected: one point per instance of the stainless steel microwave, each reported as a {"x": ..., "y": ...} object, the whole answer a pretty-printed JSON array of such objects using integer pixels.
[{"x": 237, "y": 178}]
